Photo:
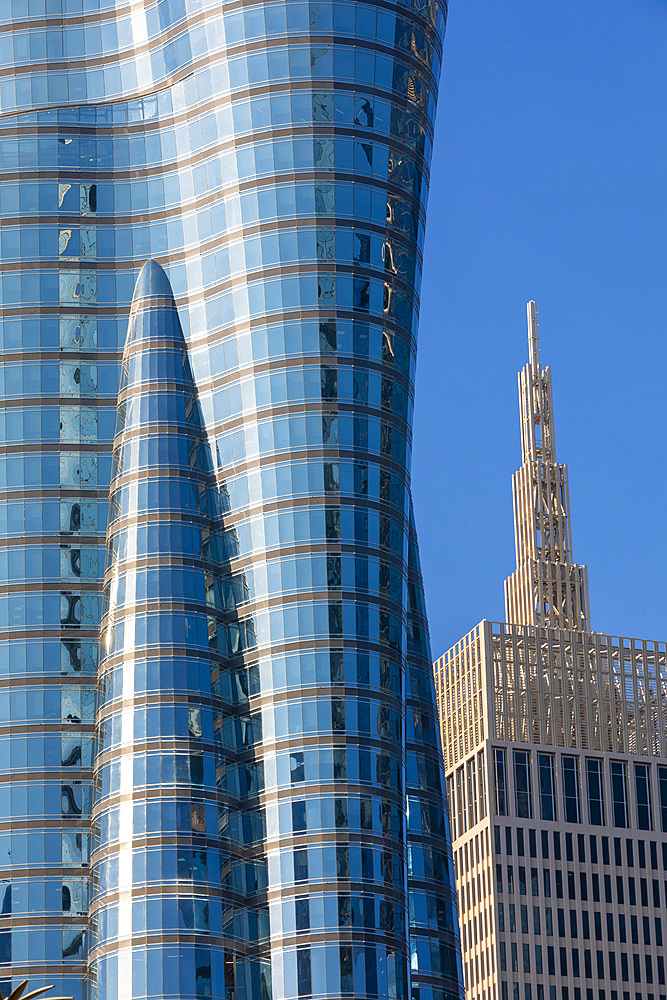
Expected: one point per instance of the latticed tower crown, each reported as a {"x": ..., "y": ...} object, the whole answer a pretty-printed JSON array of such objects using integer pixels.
[{"x": 546, "y": 588}]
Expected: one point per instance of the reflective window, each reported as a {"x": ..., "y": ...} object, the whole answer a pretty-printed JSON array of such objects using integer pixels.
[
  {"x": 545, "y": 767},
  {"x": 522, "y": 784},
  {"x": 643, "y": 796},
  {"x": 500, "y": 769},
  {"x": 619, "y": 793},
  {"x": 595, "y": 791},
  {"x": 662, "y": 785},
  {"x": 571, "y": 797},
  {"x": 472, "y": 791}
]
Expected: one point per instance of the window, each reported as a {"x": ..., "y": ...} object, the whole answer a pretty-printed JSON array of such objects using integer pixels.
[
  {"x": 556, "y": 845},
  {"x": 461, "y": 825},
  {"x": 481, "y": 770},
  {"x": 571, "y": 789},
  {"x": 532, "y": 842},
  {"x": 593, "y": 841},
  {"x": 619, "y": 793},
  {"x": 522, "y": 786},
  {"x": 605, "y": 851},
  {"x": 581, "y": 848},
  {"x": 526, "y": 958},
  {"x": 595, "y": 793},
  {"x": 452, "y": 806},
  {"x": 559, "y": 883},
  {"x": 500, "y": 768},
  {"x": 662, "y": 784},
  {"x": 472, "y": 791},
  {"x": 545, "y": 767},
  {"x": 303, "y": 971},
  {"x": 610, "y": 927},
  {"x": 643, "y": 794}
]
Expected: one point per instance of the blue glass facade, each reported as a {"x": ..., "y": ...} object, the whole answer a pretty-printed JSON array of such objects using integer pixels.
[
  {"x": 274, "y": 158},
  {"x": 169, "y": 831}
]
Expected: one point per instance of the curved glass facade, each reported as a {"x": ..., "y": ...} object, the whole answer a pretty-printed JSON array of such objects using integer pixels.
[
  {"x": 274, "y": 158},
  {"x": 169, "y": 832}
]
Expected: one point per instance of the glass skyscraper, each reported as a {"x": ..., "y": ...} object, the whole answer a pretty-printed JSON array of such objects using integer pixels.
[{"x": 252, "y": 807}]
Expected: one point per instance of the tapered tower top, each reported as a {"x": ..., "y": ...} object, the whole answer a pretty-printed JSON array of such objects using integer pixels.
[
  {"x": 533, "y": 336},
  {"x": 547, "y": 588},
  {"x": 152, "y": 282}
]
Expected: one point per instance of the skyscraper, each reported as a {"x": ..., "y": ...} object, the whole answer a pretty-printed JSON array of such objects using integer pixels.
[
  {"x": 268, "y": 812},
  {"x": 555, "y": 744}
]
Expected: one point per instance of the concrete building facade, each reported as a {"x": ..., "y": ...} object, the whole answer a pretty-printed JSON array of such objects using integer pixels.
[{"x": 555, "y": 745}]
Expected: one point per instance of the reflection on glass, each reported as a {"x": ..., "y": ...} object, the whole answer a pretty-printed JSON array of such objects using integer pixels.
[
  {"x": 595, "y": 791},
  {"x": 619, "y": 792},
  {"x": 643, "y": 796},
  {"x": 522, "y": 784},
  {"x": 571, "y": 789},
  {"x": 500, "y": 768},
  {"x": 545, "y": 767}
]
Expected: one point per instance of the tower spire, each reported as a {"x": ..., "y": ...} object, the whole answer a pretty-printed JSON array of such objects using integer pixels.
[
  {"x": 533, "y": 336},
  {"x": 546, "y": 588}
]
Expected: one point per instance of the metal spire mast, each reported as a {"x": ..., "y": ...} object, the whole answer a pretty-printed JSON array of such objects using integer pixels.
[{"x": 546, "y": 588}]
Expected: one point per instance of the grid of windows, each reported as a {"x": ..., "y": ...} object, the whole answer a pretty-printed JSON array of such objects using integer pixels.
[
  {"x": 474, "y": 884},
  {"x": 466, "y": 794},
  {"x": 557, "y": 893},
  {"x": 549, "y": 903},
  {"x": 570, "y": 905},
  {"x": 565, "y": 798}
]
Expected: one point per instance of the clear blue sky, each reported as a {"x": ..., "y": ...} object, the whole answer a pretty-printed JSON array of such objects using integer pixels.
[{"x": 549, "y": 182}]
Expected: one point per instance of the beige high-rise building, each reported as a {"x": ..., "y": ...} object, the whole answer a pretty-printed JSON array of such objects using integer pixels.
[{"x": 555, "y": 746}]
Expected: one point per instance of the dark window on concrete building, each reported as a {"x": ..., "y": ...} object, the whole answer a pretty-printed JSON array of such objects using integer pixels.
[
  {"x": 571, "y": 789},
  {"x": 595, "y": 793},
  {"x": 522, "y": 784},
  {"x": 643, "y": 796},
  {"x": 619, "y": 793},
  {"x": 545, "y": 767},
  {"x": 500, "y": 767}
]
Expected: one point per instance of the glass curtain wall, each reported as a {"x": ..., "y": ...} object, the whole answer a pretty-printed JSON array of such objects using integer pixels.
[
  {"x": 274, "y": 158},
  {"x": 169, "y": 831}
]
